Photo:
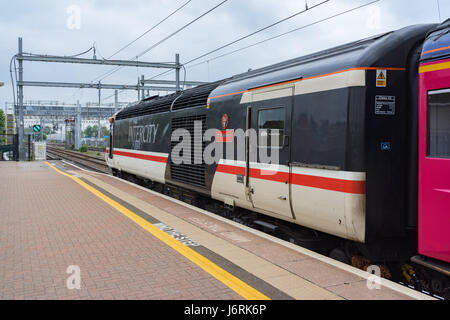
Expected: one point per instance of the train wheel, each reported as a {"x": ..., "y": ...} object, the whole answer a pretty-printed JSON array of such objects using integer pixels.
[
  {"x": 340, "y": 255},
  {"x": 116, "y": 173},
  {"x": 438, "y": 285}
]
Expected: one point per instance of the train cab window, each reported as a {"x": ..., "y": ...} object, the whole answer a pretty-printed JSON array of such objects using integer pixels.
[
  {"x": 271, "y": 127},
  {"x": 438, "y": 135}
]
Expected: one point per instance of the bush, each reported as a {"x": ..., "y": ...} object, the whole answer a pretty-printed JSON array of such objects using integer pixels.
[{"x": 83, "y": 148}]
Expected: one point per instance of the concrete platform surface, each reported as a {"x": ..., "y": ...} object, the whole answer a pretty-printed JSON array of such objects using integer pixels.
[{"x": 61, "y": 227}]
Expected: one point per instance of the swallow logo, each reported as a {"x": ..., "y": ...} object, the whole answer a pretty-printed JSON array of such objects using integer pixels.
[{"x": 224, "y": 121}]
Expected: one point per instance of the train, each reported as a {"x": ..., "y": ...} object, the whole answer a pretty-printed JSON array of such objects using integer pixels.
[{"x": 345, "y": 151}]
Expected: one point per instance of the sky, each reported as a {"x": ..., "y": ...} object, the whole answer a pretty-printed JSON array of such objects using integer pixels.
[{"x": 68, "y": 27}]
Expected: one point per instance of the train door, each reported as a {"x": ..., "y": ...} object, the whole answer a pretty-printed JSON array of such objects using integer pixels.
[
  {"x": 434, "y": 167},
  {"x": 268, "y": 161}
]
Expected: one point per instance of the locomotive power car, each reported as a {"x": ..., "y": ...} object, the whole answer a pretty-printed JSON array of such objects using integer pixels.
[{"x": 362, "y": 139}]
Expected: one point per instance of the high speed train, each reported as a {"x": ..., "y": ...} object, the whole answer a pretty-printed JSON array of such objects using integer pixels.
[{"x": 361, "y": 134}]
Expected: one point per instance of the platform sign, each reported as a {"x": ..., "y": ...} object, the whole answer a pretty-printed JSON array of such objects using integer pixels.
[
  {"x": 36, "y": 128},
  {"x": 40, "y": 150}
]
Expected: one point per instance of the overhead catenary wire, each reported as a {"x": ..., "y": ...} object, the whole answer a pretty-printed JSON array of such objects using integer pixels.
[
  {"x": 257, "y": 31},
  {"x": 12, "y": 81},
  {"x": 70, "y": 56},
  {"x": 439, "y": 10},
  {"x": 14, "y": 58},
  {"x": 283, "y": 34},
  {"x": 107, "y": 74},
  {"x": 132, "y": 42},
  {"x": 241, "y": 38},
  {"x": 151, "y": 29},
  {"x": 164, "y": 39},
  {"x": 268, "y": 39}
]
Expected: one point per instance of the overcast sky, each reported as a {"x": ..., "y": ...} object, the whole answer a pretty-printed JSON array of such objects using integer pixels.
[{"x": 47, "y": 27}]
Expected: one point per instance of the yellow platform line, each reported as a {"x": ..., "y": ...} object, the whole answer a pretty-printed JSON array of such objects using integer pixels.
[{"x": 234, "y": 283}]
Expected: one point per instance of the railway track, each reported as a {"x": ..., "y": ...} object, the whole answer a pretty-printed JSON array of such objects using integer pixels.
[
  {"x": 92, "y": 162},
  {"x": 90, "y": 148}
]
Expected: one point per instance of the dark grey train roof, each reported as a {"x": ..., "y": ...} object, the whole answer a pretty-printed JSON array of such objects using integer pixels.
[
  {"x": 349, "y": 47},
  {"x": 194, "y": 97},
  {"x": 390, "y": 49},
  {"x": 443, "y": 25},
  {"x": 436, "y": 44}
]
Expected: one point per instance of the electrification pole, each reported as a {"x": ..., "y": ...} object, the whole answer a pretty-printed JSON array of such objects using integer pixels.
[
  {"x": 78, "y": 127},
  {"x": 20, "y": 105},
  {"x": 116, "y": 101},
  {"x": 142, "y": 85},
  {"x": 98, "y": 122},
  {"x": 177, "y": 73},
  {"x": 41, "y": 123}
]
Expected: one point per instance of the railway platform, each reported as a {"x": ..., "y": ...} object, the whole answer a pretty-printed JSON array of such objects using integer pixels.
[{"x": 68, "y": 233}]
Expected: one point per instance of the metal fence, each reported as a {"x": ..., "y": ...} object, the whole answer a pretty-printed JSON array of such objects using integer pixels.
[{"x": 9, "y": 147}]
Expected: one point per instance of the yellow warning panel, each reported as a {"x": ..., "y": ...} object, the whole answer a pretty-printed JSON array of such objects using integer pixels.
[{"x": 381, "y": 78}]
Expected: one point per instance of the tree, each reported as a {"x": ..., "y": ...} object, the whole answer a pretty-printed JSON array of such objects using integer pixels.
[
  {"x": 91, "y": 132},
  {"x": 87, "y": 131},
  {"x": 94, "y": 131},
  {"x": 104, "y": 131},
  {"x": 47, "y": 130},
  {"x": 2, "y": 122}
]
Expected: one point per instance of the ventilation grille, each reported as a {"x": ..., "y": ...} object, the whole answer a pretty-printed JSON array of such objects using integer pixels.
[
  {"x": 189, "y": 98},
  {"x": 194, "y": 98},
  {"x": 193, "y": 174}
]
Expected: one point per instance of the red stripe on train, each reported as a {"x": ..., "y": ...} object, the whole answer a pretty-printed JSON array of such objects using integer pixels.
[
  {"x": 340, "y": 185},
  {"x": 140, "y": 156}
]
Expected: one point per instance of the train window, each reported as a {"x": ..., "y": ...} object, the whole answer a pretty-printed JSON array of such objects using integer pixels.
[
  {"x": 271, "y": 127},
  {"x": 438, "y": 134}
]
